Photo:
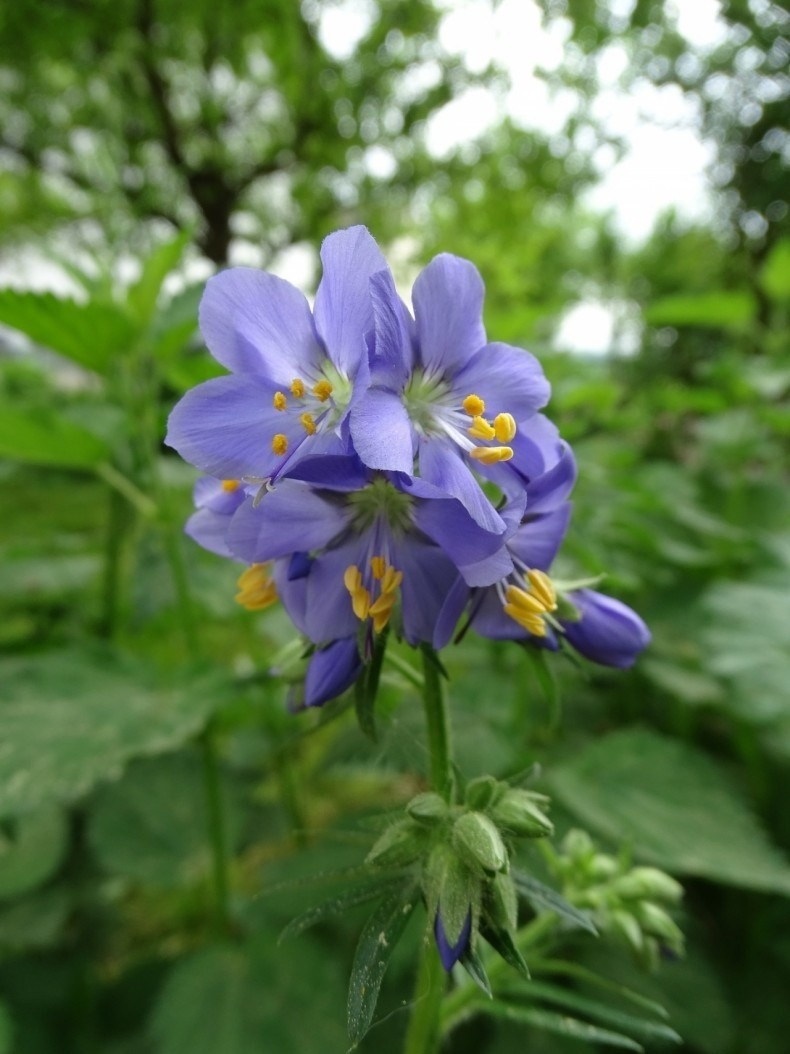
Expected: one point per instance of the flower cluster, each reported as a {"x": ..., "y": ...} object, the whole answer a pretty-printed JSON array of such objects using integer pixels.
[{"x": 377, "y": 470}]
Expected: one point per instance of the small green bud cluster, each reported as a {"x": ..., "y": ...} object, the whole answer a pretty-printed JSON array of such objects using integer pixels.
[
  {"x": 628, "y": 902},
  {"x": 464, "y": 852}
]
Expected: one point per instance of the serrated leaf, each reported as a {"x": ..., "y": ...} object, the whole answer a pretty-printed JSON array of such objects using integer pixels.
[
  {"x": 70, "y": 719},
  {"x": 376, "y": 944},
  {"x": 560, "y": 1024},
  {"x": 151, "y": 824},
  {"x": 89, "y": 334},
  {"x": 350, "y": 898},
  {"x": 34, "y": 852},
  {"x": 236, "y": 1000},
  {"x": 48, "y": 438},
  {"x": 549, "y": 899},
  {"x": 674, "y": 805}
]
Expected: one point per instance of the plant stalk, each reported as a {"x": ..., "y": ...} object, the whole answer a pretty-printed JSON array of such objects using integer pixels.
[{"x": 437, "y": 725}]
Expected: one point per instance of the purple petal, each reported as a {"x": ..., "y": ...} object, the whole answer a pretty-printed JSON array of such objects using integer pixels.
[
  {"x": 382, "y": 432},
  {"x": 609, "y": 632},
  {"x": 538, "y": 539},
  {"x": 328, "y": 610},
  {"x": 441, "y": 464},
  {"x": 331, "y": 671},
  {"x": 451, "y": 953},
  {"x": 292, "y": 518},
  {"x": 454, "y": 603},
  {"x": 209, "y": 493},
  {"x": 549, "y": 491},
  {"x": 338, "y": 472},
  {"x": 480, "y": 555},
  {"x": 509, "y": 380},
  {"x": 209, "y": 529},
  {"x": 392, "y": 360},
  {"x": 225, "y": 427},
  {"x": 343, "y": 307},
  {"x": 427, "y": 577},
  {"x": 254, "y": 322},
  {"x": 448, "y": 309}
]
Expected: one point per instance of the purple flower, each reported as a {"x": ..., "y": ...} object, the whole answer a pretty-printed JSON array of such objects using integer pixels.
[
  {"x": 606, "y": 631},
  {"x": 451, "y": 953},
  {"x": 439, "y": 391},
  {"x": 294, "y": 374},
  {"x": 331, "y": 671}
]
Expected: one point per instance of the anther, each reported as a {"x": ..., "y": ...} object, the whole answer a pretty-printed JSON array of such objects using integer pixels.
[
  {"x": 229, "y": 485},
  {"x": 307, "y": 423},
  {"x": 534, "y": 624},
  {"x": 256, "y": 589},
  {"x": 297, "y": 388},
  {"x": 543, "y": 588},
  {"x": 378, "y": 566},
  {"x": 504, "y": 427},
  {"x": 481, "y": 429},
  {"x": 352, "y": 578},
  {"x": 322, "y": 391},
  {"x": 491, "y": 455},
  {"x": 279, "y": 401},
  {"x": 474, "y": 405},
  {"x": 279, "y": 444},
  {"x": 526, "y": 602}
]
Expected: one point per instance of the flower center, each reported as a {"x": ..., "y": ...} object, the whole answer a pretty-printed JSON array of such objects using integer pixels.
[
  {"x": 383, "y": 579},
  {"x": 317, "y": 408},
  {"x": 433, "y": 409},
  {"x": 380, "y": 500}
]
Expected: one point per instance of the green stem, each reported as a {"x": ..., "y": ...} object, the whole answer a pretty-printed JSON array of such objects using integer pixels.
[
  {"x": 437, "y": 724},
  {"x": 422, "y": 1036}
]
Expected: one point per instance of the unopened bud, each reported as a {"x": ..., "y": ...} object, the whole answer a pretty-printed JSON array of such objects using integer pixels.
[
  {"x": 398, "y": 845},
  {"x": 479, "y": 843},
  {"x": 481, "y": 792},
  {"x": 502, "y": 902},
  {"x": 518, "y": 812},
  {"x": 577, "y": 845},
  {"x": 627, "y": 927},
  {"x": 428, "y": 809},
  {"x": 648, "y": 883},
  {"x": 655, "y": 921},
  {"x": 603, "y": 867}
]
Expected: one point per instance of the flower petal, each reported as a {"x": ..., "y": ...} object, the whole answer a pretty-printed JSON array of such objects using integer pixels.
[
  {"x": 331, "y": 671},
  {"x": 480, "y": 555},
  {"x": 254, "y": 322},
  {"x": 448, "y": 309},
  {"x": 538, "y": 539},
  {"x": 382, "y": 432},
  {"x": 328, "y": 611},
  {"x": 393, "y": 353},
  {"x": 427, "y": 576},
  {"x": 209, "y": 529},
  {"x": 442, "y": 465},
  {"x": 343, "y": 307},
  {"x": 508, "y": 379},
  {"x": 451, "y": 610},
  {"x": 609, "y": 632},
  {"x": 451, "y": 953},
  {"x": 292, "y": 518}
]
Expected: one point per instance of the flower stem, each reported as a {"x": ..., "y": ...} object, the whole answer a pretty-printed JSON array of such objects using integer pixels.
[{"x": 437, "y": 724}]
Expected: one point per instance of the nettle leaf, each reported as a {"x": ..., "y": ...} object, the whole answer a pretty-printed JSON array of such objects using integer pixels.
[
  {"x": 376, "y": 944},
  {"x": 658, "y": 795},
  {"x": 33, "y": 851},
  {"x": 151, "y": 825},
  {"x": 71, "y": 719},
  {"x": 89, "y": 334},
  {"x": 233, "y": 999},
  {"x": 48, "y": 438},
  {"x": 547, "y": 899}
]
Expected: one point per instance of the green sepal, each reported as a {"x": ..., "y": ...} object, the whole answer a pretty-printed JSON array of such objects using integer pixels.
[
  {"x": 502, "y": 902},
  {"x": 451, "y": 889},
  {"x": 428, "y": 809},
  {"x": 479, "y": 843},
  {"x": 519, "y": 813},
  {"x": 482, "y": 792},
  {"x": 473, "y": 965},
  {"x": 398, "y": 845},
  {"x": 505, "y": 946}
]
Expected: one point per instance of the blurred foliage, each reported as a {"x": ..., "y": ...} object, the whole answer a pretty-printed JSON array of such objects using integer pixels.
[{"x": 138, "y": 716}]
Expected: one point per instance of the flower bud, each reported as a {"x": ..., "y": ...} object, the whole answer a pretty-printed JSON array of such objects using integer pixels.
[
  {"x": 482, "y": 791},
  {"x": 603, "y": 867},
  {"x": 502, "y": 902},
  {"x": 479, "y": 843},
  {"x": 624, "y": 924},
  {"x": 655, "y": 921},
  {"x": 400, "y": 844},
  {"x": 428, "y": 809},
  {"x": 518, "y": 813},
  {"x": 648, "y": 883}
]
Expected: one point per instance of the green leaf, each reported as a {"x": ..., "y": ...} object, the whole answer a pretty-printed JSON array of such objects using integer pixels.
[
  {"x": 245, "y": 999},
  {"x": 775, "y": 273},
  {"x": 151, "y": 825},
  {"x": 89, "y": 334},
  {"x": 349, "y": 898},
  {"x": 729, "y": 309},
  {"x": 48, "y": 438},
  {"x": 34, "y": 852},
  {"x": 376, "y": 944},
  {"x": 6, "y": 1030},
  {"x": 36, "y": 921},
  {"x": 143, "y": 295},
  {"x": 674, "y": 805},
  {"x": 547, "y": 899},
  {"x": 70, "y": 719},
  {"x": 581, "y": 973},
  {"x": 560, "y": 1024}
]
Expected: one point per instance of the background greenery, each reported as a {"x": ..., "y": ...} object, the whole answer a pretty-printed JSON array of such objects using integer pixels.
[{"x": 139, "y": 722}]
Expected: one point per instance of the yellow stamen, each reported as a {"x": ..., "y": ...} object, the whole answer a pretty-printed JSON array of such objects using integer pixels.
[
  {"x": 378, "y": 566},
  {"x": 360, "y": 603},
  {"x": 474, "y": 405},
  {"x": 534, "y": 624},
  {"x": 308, "y": 423},
  {"x": 384, "y": 604},
  {"x": 230, "y": 485},
  {"x": 543, "y": 588},
  {"x": 279, "y": 444},
  {"x": 322, "y": 391},
  {"x": 525, "y": 602},
  {"x": 490, "y": 455},
  {"x": 505, "y": 427},
  {"x": 279, "y": 401},
  {"x": 256, "y": 589},
  {"x": 352, "y": 578},
  {"x": 481, "y": 429},
  {"x": 297, "y": 388},
  {"x": 391, "y": 580}
]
